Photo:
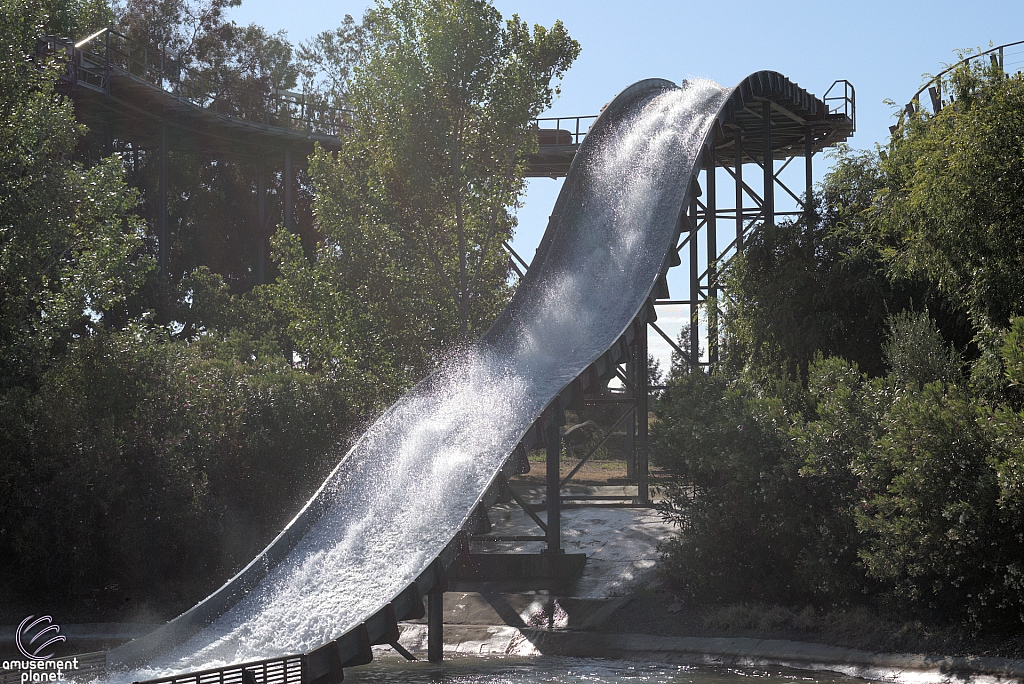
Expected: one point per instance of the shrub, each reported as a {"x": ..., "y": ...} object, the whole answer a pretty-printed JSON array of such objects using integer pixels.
[
  {"x": 741, "y": 506},
  {"x": 938, "y": 536},
  {"x": 157, "y": 464}
]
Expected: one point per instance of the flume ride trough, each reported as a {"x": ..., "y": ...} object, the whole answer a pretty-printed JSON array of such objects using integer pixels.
[{"x": 383, "y": 529}]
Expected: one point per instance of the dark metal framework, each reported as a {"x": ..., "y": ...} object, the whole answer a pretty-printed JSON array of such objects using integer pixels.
[
  {"x": 768, "y": 123},
  {"x": 103, "y": 61},
  {"x": 145, "y": 100},
  {"x": 142, "y": 96},
  {"x": 769, "y": 120}
]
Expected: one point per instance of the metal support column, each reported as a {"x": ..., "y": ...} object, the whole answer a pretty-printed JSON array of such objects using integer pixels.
[
  {"x": 808, "y": 165},
  {"x": 739, "y": 191},
  {"x": 163, "y": 233},
  {"x": 631, "y": 421},
  {"x": 553, "y": 496},
  {"x": 289, "y": 185},
  {"x": 769, "y": 166},
  {"x": 261, "y": 223},
  {"x": 694, "y": 288},
  {"x": 642, "y": 409},
  {"x": 435, "y": 626},
  {"x": 711, "y": 212}
]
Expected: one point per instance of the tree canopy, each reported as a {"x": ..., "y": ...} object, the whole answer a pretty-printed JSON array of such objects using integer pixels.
[
  {"x": 416, "y": 206},
  {"x": 953, "y": 200}
]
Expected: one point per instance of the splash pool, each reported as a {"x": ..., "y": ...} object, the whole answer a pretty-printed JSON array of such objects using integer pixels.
[{"x": 574, "y": 670}]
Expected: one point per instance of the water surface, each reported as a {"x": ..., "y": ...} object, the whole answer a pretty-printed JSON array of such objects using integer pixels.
[{"x": 465, "y": 670}]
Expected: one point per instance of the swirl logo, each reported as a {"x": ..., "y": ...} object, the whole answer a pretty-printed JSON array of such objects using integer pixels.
[{"x": 28, "y": 628}]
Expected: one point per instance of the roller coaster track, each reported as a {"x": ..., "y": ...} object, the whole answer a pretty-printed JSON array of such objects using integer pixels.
[
  {"x": 1005, "y": 59},
  {"x": 765, "y": 117}
]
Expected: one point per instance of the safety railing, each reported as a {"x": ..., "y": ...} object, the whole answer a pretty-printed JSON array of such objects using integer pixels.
[
  {"x": 1007, "y": 59},
  {"x": 287, "y": 670},
  {"x": 562, "y": 131},
  {"x": 841, "y": 98},
  {"x": 95, "y": 59}
]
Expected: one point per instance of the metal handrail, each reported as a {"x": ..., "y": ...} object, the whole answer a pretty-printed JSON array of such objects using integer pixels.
[
  {"x": 934, "y": 85},
  {"x": 93, "y": 58},
  {"x": 844, "y": 103},
  {"x": 285, "y": 670},
  {"x": 576, "y": 128}
]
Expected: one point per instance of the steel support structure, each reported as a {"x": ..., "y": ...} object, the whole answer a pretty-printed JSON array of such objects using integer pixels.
[
  {"x": 435, "y": 626},
  {"x": 642, "y": 395},
  {"x": 768, "y": 165},
  {"x": 706, "y": 252},
  {"x": 751, "y": 207},
  {"x": 693, "y": 238},
  {"x": 754, "y": 141},
  {"x": 261, "y": 225},
  {"x": 769, "y": 124},
  {"x": 711, "y": 220},
  {"x": 631, "y": 443},
  {"x": 553, "y": 495},
  {"x": 163, "y": 231},
  {"x": 738, "y": 177}
]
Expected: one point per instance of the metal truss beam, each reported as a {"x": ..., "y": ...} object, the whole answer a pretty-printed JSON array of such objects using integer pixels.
[{"x": 703, "y": 218}]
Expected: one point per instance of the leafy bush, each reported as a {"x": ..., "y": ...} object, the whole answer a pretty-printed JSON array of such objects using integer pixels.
[
  {"x": 164, "y": 462},
  {"x": 915, "y": 352},
  {"x": 901, "y": 488},
  {"x": 938, "y": 536},
  {"x": 744, "y": 512}
]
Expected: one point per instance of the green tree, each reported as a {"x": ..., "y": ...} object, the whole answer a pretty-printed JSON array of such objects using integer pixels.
[
  {"x": 915, "y": 352},
  {"x": 157, "y": 458},
  {"x": 442, "y": 97},
  {"x": 953, "y": 201},
  {"x": 69, "y": 247},
  {"x": 818, "y": 285},
  {"x": 937, "y": 535},
  {"x": 742, "y": 509},
  {"x": 842, "y": 420}
]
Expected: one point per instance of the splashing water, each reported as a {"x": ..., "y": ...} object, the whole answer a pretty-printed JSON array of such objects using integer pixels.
[{"x": 407, "y": 486}]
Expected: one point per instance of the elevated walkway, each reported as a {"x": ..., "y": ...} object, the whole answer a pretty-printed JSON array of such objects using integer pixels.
[
  {"x": 129, "y": 91},
  {"x": 139, "y": 94}
]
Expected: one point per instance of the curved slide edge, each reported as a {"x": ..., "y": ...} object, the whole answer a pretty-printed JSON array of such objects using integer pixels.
[{"x": 324, "y": 663}]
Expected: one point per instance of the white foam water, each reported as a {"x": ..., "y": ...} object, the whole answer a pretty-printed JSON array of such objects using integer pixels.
[{"x": 407, "y": 486}]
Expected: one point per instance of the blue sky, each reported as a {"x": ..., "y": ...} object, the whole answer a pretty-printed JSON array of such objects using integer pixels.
[{"x": 883, "y": 48}]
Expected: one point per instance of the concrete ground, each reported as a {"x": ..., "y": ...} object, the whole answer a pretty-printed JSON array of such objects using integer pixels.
[{"x": 621, "y": 543}]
